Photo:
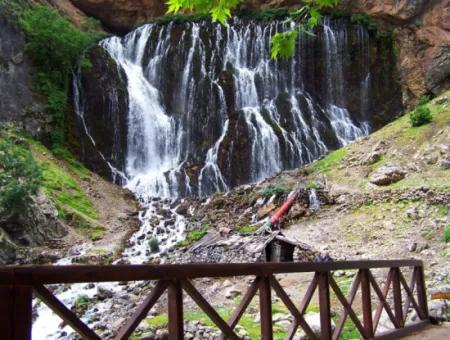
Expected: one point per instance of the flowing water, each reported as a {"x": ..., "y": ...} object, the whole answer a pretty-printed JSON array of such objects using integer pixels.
[{"x": 180, "y": 115}]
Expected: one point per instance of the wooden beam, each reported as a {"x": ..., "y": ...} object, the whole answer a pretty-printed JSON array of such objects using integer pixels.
[
  {"x": 175, "y": 305},
  {"x": 208, "y": 309},
  {"x": 380, "y": 306},
  {"x": 347, "y": 306},
  {"x": 142, "y": 311},
  {"x": 366, "y": 304},
  {"x": 324, "y": 304},
  {"x": 383, "y": 301},
  {"x": 291, "y": 307},
  {"x": 265, "y": 308},
  {"x": 350, "y": 299},
  {"x": 64, "y": 313},
  {"x": 398, "y": 306}
]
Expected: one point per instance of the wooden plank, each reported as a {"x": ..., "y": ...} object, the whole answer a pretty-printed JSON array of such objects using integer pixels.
[
  {"x": 419, "y": 311},
  {"x": 74, "y": 274},
  {"x": 403, "y": 332},
  {"x": 347, "y": 306},
  {"x": 380, "y": 306},
  {"x": 175, "y": 305},
  {"x": 208, "y": 309},
  {"x": 309, "y": 294},
  {"x": 383, "y": 301},
  {"x": 265, "y": 308},
  {"x": 142, "y": 311},
  {"x": 6, "y": 312},
  {"x": 324, "y": 304},
  {"x": 366, "y": 304},
  {"x": 64, "y": 313},
  {"x": 412, "y": 286},
  {"x": 350, "y": 299},
  {"x": 291, "y": 307},
  {"x": 421, "y": 292},
  {"x": 22, "y": 312},
  {"x": 246, "y": 299},
  {"x": 398, "y": 307}
]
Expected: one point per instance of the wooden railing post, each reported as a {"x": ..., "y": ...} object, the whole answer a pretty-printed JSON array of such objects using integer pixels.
[
  {"x": 366, "y": 304},
  {"x": 324, "y": 305},
  {"x": 175, "y": 305},
  {"x": 398, "y": 307},
  {"x": 265, "y": 306},
  {"x": 421, "y": 291},
  {"x": 6, "y": 312}
]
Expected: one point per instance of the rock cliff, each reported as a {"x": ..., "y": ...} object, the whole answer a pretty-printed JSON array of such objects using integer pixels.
[{"x": 421, "y": 28}]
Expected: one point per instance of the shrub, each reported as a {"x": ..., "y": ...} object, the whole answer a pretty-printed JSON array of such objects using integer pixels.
[
  {"x": 154, "y": 245},
  {"x": 447, "y": 234},
  {"x": 420, "y": 116},
  {"x": 20, "y": 175},
  {"x": 56, "y": 46},
  {"x": 273, "y": 191},
  {"x": 423, "y": 100}
]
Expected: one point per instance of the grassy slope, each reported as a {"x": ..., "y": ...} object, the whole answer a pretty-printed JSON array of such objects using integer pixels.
[
  {"x": 405, "y": 145},
  {"x": 61, "y": 184}
]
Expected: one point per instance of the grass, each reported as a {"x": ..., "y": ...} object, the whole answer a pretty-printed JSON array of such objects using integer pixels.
[
  {"x": 328, "y": 163},
  {"x": 247, "y": 229},
  {"x": 447, "y": 234},
  {"x": 60, "y": 184},
  {"x": 193, "y": 236},
  {"x": 272, "y": 190}
]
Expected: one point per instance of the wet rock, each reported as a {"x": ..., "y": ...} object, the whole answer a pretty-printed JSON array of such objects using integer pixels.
[
  {"x": 103, "y": 293},
  {"x": 387, "y": 175}
]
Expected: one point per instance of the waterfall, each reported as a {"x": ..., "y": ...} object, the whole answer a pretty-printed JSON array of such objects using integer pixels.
[
  {"x": 209, "y": 109},
  {"x": 314, "y": 203}
]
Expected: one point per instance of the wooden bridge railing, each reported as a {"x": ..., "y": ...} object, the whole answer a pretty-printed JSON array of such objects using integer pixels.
[{"x": 17, "y": 285}]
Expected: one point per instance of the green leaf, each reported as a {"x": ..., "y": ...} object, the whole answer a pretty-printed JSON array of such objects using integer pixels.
[{"x": 283, "y": 44}]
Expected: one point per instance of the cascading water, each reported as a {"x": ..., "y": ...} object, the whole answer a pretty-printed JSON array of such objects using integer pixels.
[{"x": 209, "y": 109}]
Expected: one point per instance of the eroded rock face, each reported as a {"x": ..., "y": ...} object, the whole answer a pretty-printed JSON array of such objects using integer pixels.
[
  {"x": 35, "y": 225},
  {"x": 422, "y": 34},
  {"x": 99, "y": 112},
  {"x": 18, "y": 103},
  {"x": 122, "y": 15}
]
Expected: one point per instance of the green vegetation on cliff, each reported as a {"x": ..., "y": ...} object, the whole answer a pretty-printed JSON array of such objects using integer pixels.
[
  {"x": 20, "y": 175},
  {"x": 57, "y": 47},
  {"x": 29, "y": 166}
]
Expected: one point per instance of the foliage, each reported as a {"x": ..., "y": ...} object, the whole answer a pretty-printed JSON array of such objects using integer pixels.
[
  {"x": 20, "y": 175},
  {"x": 328, "y": 162},
  {"x": 273, "y": 191},
  {"x": 313, "y": 185},
  {"x": 365, "y": 20},
  {"x": 56, "y": 46},
  {"x": 247, "y": 229},
  {"x": 447, "y": 234},
  {"x": 154, "y": 245},
  {"x": 81, "y": 300},
  {"x": 193, "y": 236},
  {"x": 266, "y": 14},
  {"x": 283, "y": 43},
  {"x": 423, "y": 100},
  {"x": 420, "y": 116}
]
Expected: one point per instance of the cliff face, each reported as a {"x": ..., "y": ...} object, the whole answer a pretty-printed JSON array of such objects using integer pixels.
[
  {"x": 422, "y": 30},
  {"x": 18, "y": 103}
]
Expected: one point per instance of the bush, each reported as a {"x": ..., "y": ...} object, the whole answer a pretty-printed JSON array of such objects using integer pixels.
[
  {"x": 447, "y": 234},
  {"x": 56, "y": 46},
  {"x": 423, "y": 100},
  {"x": 420, "y": 116},
  {"x": 20, "y": 176},
  {"x": 273, "y": 191},
  {"x": 154, "y": 245}
]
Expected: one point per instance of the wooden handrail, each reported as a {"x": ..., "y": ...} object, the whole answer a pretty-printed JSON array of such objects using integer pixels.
[{"x": 18, "y": 282}]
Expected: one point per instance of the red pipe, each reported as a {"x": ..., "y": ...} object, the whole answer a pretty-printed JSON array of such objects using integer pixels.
[{"x": 284, "y": 209}]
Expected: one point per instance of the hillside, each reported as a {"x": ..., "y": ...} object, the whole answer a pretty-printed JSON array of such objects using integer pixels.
[
  {"x": 71, "y": 208},
  {"x": 358, "y": 219}
]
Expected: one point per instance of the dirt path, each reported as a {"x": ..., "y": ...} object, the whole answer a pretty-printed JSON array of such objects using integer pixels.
[{"x": 433, "y": 332}]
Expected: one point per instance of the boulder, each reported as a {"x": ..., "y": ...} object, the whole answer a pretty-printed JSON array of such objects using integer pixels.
[
  {"x": 122, "y": 15},
  {"x": 387, "y": 175},
  {"x": 34, "y": 225}
]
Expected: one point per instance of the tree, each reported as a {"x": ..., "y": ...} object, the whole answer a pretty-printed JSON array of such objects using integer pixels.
[
  {"x": 20, "y": 175},
  {"x": 283, "y": 44}
]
